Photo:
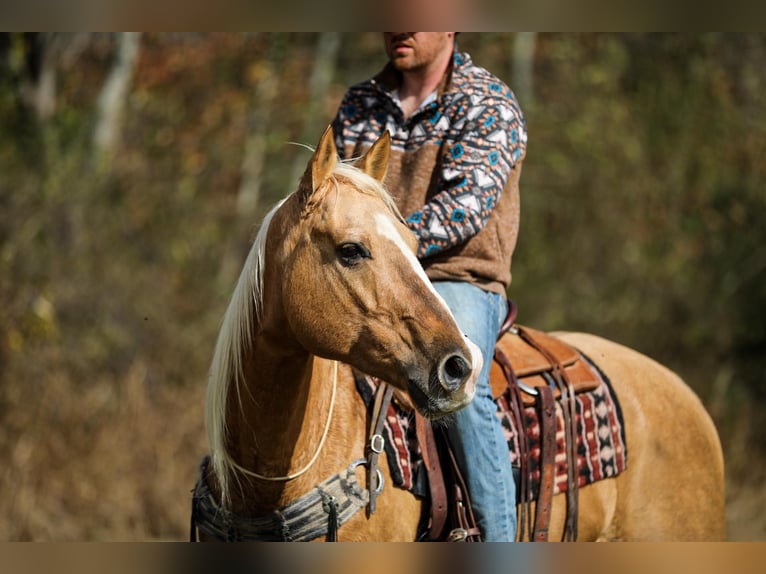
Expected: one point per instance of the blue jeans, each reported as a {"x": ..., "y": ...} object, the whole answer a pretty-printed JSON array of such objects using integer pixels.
[{"x": 476, "y": 434}]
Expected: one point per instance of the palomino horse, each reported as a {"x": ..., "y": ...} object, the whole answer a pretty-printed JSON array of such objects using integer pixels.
[{"x": 331, "y": 283}]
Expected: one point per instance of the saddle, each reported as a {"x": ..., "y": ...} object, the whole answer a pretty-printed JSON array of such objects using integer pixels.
[
  {"x": 534, "y": 356},
  {"x": 534, "y": 369}
]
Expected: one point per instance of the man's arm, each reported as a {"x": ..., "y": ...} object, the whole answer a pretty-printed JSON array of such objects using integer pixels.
[
  {"x": 491, "y": 139},
  {"x": 337, "y": 127}
]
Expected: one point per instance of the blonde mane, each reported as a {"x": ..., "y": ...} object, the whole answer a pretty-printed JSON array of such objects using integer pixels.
[
  {"x": 244, "y": 312},
  {"x": 234, "y": 339}
]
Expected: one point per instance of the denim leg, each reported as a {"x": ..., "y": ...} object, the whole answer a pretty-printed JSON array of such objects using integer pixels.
[{"x": 476, "y": 434}]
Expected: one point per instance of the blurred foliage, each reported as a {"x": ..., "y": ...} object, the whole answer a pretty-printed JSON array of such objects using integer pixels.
[
  {"x": 643, "y": 209},
  {"x": 643, "y": 203}
]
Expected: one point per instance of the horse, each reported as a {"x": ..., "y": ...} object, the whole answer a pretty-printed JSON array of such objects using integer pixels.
[{"x": 332, "y": 285}]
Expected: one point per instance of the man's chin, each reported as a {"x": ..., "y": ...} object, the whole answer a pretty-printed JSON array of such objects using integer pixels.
[{"x": 403, "y": 63}]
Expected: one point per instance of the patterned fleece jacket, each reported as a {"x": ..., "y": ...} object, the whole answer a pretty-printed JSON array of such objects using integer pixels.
[{"x": 454, "y": 168}]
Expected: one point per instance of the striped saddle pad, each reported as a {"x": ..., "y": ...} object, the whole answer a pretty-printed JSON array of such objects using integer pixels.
[{"x": 601, "y": 447}]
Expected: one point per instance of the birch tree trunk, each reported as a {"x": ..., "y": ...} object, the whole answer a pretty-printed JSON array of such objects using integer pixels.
[
  {"x": 111, "y": 101},
  {"x": 43, "y": 53},
  {"x": 523, "y": 67},
  {"x": 39, "y": 88},
  {"x": 315, "y": 120},
  {"x": 258, "y": 128}
]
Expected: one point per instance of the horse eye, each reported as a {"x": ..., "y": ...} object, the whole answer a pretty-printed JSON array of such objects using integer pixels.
[{"x": 352, "y": 253}]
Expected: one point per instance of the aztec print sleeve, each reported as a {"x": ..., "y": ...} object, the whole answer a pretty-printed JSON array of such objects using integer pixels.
[
  {"x": 337, "y": 125},
  {"x": 487, "y": 140},
  {"x": 360, "y": 107}
]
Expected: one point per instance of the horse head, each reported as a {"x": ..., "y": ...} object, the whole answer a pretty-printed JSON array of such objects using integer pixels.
[{"x": 342, "y": 266}]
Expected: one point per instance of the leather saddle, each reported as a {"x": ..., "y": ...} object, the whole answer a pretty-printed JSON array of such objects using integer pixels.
[{"x": 533, "y": 355}]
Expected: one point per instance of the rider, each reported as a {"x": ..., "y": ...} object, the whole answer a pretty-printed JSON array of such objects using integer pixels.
[{"x": 458, "y": 140}]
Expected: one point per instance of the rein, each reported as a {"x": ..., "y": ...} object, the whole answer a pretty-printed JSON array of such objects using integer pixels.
[{"x": 318, "y": 450}]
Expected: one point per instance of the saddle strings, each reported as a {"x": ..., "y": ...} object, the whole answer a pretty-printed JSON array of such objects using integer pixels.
[{"x": 298, "y": 473}]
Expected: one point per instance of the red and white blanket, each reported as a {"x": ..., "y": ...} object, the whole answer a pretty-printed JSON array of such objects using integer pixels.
[{"x": 601, "y": 448}]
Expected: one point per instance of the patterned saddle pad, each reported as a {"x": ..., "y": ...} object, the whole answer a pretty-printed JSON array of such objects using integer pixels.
[{"x": 601, "y": 448}]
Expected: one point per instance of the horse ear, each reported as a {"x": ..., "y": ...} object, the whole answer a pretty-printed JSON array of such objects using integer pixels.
[
  {"x": 322, "y": 163},
  {"x": 375, "y": 161}
]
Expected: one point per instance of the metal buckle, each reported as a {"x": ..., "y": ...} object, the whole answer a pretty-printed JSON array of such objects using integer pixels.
[
  {"x": 377, "y": 443},
  {"x": 457, "y": 535},
  {"x": 378, "y": 475}
]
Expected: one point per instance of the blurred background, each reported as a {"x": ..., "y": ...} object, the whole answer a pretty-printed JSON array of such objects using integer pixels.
[{"x": 134, "y": 169}]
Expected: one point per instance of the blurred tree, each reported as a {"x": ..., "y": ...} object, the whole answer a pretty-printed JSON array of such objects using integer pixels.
[
  {"x": 265, "y": 75},
  {"x": 314, "y": 120},
  {"x": 522, "y": 76},
  {"x": 112, "y": 99}
]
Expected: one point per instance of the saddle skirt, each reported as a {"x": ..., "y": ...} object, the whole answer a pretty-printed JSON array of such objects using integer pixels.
[{"x": 601, "y": 448}]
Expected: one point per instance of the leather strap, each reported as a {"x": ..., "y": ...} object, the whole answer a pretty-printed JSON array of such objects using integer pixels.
[
  {"x": 465, "y": 528},
  {"x": 569, "y": 412},
  {"x": 517, "y": 408},
  {"x": 436, "y": 483},
  {"x": 377, "y": 442},
  {"x": 547, "y": 408},
  {"x": 510, "y": 319}
]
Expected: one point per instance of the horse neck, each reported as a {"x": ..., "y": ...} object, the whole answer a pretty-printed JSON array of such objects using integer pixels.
[
  {"x": 277, "y": 419},
  {"x": 277, "y": 425}
]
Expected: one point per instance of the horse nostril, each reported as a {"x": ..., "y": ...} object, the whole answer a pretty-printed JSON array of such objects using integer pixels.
[{"x": 455, "y": 370}]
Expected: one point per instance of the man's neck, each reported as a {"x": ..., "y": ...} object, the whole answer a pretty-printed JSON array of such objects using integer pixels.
[{"x": 417, "y": 85}]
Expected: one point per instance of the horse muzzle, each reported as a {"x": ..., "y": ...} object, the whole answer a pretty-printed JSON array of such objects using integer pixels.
[{"x": 450, "y": 386}]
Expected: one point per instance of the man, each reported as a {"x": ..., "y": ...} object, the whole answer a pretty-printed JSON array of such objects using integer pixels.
[{"x": 458, "y": 140}]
